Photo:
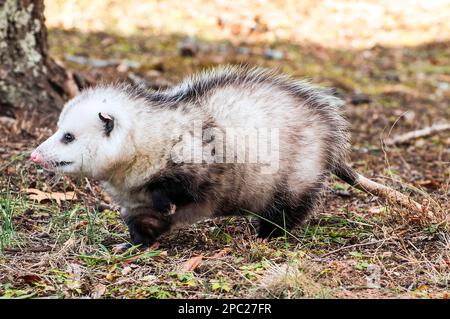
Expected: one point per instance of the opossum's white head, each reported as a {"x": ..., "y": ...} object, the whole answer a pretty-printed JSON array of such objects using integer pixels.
[{"x": 93, "y": 135}]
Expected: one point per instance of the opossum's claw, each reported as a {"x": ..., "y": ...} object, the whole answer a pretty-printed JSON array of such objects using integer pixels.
[
  {"x": 120, "y": 248},
  {"x": 261, "y": 240},
  {"x": 172, "y": 209}
]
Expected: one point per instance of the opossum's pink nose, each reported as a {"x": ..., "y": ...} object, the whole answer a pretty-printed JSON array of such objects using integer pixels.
[{"x": 36, "y": 157}]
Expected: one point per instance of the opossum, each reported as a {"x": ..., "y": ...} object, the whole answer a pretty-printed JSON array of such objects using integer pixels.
[{"x": 228, "y": 141}]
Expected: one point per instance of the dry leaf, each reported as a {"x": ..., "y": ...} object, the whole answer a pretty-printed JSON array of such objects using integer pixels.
[
  {"x": 149, "y": 279},
  {"x": 126, "y": 270},
  {"x": 192, "y": 263},
  {"x": 221, "y": 253},
  {"x": 29, "y": 279},
  {"x": 81, "y": 224},
  {"x": 447, "y": 261},
  {"x": 110, "y": 277},
  {"x": 73, "y": 281},
  {"x": 11, "y": 170},
  {"x": 387, "y": 254},
  {"x": 40, "y": 196},
  {"x": 99, "y": 290}
]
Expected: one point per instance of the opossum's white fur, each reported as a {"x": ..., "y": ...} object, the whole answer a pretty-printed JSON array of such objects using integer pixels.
[{"x": 313, "y": 134}]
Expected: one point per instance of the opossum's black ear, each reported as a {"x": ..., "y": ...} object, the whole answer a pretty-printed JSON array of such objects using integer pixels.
[{"x": 108, "y": 122}]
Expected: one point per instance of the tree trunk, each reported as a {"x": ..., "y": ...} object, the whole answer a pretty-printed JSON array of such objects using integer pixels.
[{"x": 29, "y": 78}]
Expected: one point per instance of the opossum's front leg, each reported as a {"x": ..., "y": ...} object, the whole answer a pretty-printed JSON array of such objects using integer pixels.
[
  {"x": 162, "y": 203},
  {"x": 146, "y": 225}
]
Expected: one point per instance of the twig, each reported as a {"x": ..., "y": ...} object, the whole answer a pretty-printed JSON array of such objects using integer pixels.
[
  {"x": 100, "y": 63},
  {"x": 352, "y": 246},
  {"x": 404, "y": 138}
]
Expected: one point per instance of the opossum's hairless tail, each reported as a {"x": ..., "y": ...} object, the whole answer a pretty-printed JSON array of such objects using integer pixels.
[{"x": 353, "y": 178}]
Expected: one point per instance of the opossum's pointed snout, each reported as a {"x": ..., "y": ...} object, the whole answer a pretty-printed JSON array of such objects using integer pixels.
[{"x": 36, "y": 158}]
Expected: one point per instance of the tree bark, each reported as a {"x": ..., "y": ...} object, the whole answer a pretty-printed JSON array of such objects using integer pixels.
[{"x": 29, "y": 78}]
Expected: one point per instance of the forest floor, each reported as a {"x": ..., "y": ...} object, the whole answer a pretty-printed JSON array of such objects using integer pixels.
[{"x": 354, "y": 246}]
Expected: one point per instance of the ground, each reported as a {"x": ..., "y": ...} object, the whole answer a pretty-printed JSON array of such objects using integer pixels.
[{"x": 354, "y": 245}]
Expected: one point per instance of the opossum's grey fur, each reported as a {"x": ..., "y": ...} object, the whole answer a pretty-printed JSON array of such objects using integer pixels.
[
  {"x": 158, "y": 194},
  {"x": 195, "y": 90}
]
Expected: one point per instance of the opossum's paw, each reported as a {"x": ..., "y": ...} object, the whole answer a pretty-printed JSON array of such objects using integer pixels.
[
  {"x": 146, "y": 228},
  {"x": 142, "y": 238},
  {"x": 269, "y": 230},
  {"x": 143, "y": 241},
  {"x": 172, "y": 209},
  {"x": 260, "y": 240},
  {"x": 162, "y": 203},
  {"x": 121, "y": 248}
]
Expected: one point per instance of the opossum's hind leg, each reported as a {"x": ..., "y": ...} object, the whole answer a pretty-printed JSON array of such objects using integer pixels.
[{"x": 285, "y": 214}]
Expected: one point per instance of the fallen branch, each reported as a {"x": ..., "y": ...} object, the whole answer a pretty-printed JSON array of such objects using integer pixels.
[
  {"x": 353, "y": 178},
  {"x": 427, "y": 131},
  {"x": 100, "y": 63},
  {"x": 391, "y": 195}
]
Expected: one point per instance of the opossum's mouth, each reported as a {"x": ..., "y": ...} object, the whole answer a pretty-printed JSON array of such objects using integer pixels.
[{"x": 62, "y": 163}]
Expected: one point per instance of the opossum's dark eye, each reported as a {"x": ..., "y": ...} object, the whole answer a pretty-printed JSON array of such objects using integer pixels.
[{"x": 67, "y": 138}]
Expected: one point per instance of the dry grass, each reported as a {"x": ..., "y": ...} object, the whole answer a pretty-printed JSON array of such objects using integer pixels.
[{"x": 295, "y": 279}]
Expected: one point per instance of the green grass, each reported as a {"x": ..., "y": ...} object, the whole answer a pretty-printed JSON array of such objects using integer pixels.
[
  {"x": 335, "y": 230},
  {"x": 107, "y": 258},
  {"x": 7, "y": 206}
]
